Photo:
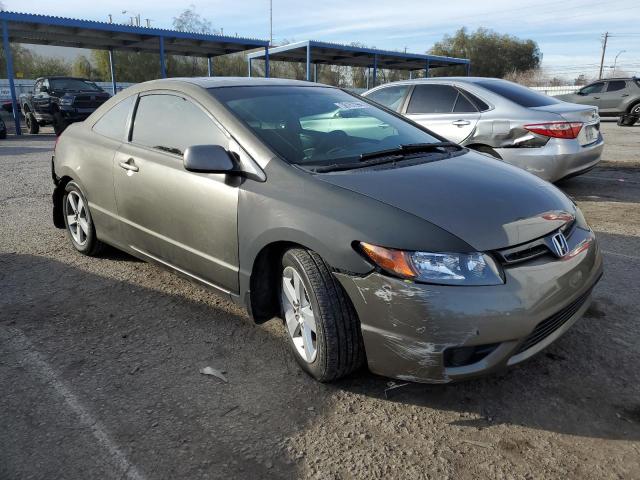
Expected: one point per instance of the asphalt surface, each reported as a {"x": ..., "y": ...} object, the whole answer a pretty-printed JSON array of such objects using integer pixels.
[{"x": 100, "y": 360}]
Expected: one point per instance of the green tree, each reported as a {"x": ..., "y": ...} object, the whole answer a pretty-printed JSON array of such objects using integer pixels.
[
  {"x": 82, "y": 67},
  {"x": 491, "y": 54}
]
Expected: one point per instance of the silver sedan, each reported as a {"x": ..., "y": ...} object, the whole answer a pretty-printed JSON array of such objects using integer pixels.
[{"x": 543, "y": 135}]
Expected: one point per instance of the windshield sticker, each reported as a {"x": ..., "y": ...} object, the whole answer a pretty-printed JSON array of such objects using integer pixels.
[{"x": 351, "y": 105}]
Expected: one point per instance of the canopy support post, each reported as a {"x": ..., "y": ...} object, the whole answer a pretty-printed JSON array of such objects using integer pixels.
[
  {"x": 112, "y": 69},
  {"x": 267, "y": 68},
  {"x": 12, "y": 86},
  {"x": 308, "y": 61},
  {"x": 163, "y": 69},
  {"x": 209, "y": 66}
]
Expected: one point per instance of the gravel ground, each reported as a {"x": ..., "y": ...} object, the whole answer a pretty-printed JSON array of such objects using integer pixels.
[{"x": 100, "y": 360}]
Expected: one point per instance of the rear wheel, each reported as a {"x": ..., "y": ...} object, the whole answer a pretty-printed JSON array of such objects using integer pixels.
[
  {"x": 322, "y": 325},
  {"x": 78, "y": 222},
  {"x": 32, "y": 124},
  {"x": 486, "y": 149}
]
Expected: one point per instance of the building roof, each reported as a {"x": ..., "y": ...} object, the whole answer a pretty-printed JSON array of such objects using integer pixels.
[
  {"x": 336, "y": 54},
  {"x": 71, "y": 32}
]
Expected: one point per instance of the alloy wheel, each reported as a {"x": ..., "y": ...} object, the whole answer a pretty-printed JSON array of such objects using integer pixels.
[
  {"x": 299, "y": 316},
  {"x": 77, "y": 220}
]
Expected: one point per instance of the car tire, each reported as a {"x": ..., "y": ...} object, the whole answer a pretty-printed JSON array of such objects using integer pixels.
[
  {"x": 3, "y": 134},
  {"x": 627, "y": 120},
  {"x": 488, "y": 150},
  {"x": 32, "y": 124},
  {"x": 78, "y": 222},
  {"x": 335, "y": 348},
  {"x": 59, "y": 124}
]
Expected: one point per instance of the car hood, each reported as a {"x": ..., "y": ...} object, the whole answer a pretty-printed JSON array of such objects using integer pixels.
[{"x": 483, "y": 201}]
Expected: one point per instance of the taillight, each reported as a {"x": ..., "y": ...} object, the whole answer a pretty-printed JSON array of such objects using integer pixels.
[{"x": 556, "y": 129}]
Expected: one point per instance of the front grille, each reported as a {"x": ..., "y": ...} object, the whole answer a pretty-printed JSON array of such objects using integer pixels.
[
  {"x": 88, "y": 101},
  {"x": 533, "y": 249},
  {"x": 551, "y": 324}
]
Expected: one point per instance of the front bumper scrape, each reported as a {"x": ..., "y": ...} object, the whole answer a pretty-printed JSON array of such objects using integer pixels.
[{"x": 408, "y": 327}]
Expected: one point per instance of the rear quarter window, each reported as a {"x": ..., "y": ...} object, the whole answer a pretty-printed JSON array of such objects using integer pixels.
[
  {"x": 113, "y": 124},
  {"x": 523, "y": 96}
]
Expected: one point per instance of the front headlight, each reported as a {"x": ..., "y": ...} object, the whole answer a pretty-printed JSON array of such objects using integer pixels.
[
  {"x": 440, "y": 268},
  {"x": 66, "y": 101}
]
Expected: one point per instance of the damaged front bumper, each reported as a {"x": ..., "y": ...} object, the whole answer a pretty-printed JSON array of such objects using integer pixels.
[{"x": 439, "y": 334}]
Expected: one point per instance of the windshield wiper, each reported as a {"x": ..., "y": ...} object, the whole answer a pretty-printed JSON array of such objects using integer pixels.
[{"x": 408, "y": 149}]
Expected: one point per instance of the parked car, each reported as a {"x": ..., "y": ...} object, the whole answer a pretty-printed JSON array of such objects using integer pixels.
[
  {"x": 3, "y": 130},
  {"x": 614, "y": 97},
  {"x": 547, "y": 137},
  {"x": 7, "y": 106},
  {"x": 59, "y": 101},
  {"x": 370, "y": 236}
]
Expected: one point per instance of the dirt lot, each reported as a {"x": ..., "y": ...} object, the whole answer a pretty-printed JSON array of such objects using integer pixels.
[{"x": 100, "y": 359}]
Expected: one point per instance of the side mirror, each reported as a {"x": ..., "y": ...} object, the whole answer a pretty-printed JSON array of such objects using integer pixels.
[{"x": 209, "y": 159}]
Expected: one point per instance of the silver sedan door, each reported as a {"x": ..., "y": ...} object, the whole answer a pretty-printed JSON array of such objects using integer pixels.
[
  {"x": 183, "y": 219},
  {"x": 444, "y": 110}
]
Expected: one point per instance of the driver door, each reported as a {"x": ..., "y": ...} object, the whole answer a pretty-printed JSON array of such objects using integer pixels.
[{"x": 185, "y": 220}]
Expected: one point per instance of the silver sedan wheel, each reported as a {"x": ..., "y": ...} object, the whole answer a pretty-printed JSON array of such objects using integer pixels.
[
  {"x": 298, "y": 315},
  {"x": 77, "y": 218}
]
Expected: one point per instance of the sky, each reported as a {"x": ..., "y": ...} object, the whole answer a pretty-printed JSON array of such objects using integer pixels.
[{"x": 569, "y": 32}]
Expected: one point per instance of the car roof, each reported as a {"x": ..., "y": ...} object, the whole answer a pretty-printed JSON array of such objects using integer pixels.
[{"x": 218, "y": 82}]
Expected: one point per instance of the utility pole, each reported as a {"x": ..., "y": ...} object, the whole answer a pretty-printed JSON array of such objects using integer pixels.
[{"x": 604, "y": 49}]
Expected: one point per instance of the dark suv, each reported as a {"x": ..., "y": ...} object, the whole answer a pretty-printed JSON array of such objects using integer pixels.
[
  {"x": 59, "y": 101},
  {"x": 614, "y": 97}
]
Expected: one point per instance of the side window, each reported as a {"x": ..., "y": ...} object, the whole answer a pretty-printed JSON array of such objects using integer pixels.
[
  {"x": 463, "y": 105},
  {"x": 36, "y": 87},
  {"x": 171, "y": 123},
  {"x": 480, "y": 104},
  {"x": 593, "y": 88},
  {"x": 615, "y": 85},
  {"x": 390, "y": 97},
  {"x": 113, "y": 124},
  {"x": 432, "y": 99}
]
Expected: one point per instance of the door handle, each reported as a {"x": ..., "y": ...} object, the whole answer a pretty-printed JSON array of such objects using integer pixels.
[
  {"x": 129, "y": 165},
  {"x": 596, "y": 98},
  {"x": 624, "y": 95},
  {"x": 461, "y": 123}
]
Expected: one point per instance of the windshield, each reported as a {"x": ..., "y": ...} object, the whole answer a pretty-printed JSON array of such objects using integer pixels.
[
  {"x": 517, "y": 93},
  {"x": 73, "y": 84},
  {"x": 315, "y": 125}
]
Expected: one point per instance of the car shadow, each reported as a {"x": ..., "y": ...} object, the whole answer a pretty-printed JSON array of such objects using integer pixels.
[{"x": 133, "y": 356}]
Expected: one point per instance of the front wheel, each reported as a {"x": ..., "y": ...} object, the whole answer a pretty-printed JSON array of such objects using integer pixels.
[
  {"x": 32, "y": 124},
  {"x": 77, "y": 220},
  {"x": 322, "y": 325}
]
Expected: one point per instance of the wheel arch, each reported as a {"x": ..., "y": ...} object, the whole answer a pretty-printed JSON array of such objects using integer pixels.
[
  {"x": 261, "y": 297},
  {"x": 57, "y": 197}
]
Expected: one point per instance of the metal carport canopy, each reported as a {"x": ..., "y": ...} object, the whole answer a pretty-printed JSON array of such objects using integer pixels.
[
  {"x": 314, "y": 52},
  {"x": 69, "y": 32}
]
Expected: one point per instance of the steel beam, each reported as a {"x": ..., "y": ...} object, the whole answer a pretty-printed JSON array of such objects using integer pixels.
[
  {"x": 163, "y": 68},
  {"x": 266, "y": 62},
  {"x": 9, "y": 61},
  {"x": 249, "y": 60},
  {"x": 468, "y": 69},
  {"x": 426, "y": 69}
]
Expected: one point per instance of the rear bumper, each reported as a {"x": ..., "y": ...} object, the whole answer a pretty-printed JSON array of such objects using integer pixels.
[
  {"x": 411, "y": 331},
  {"x": 558, "y": 159}
]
